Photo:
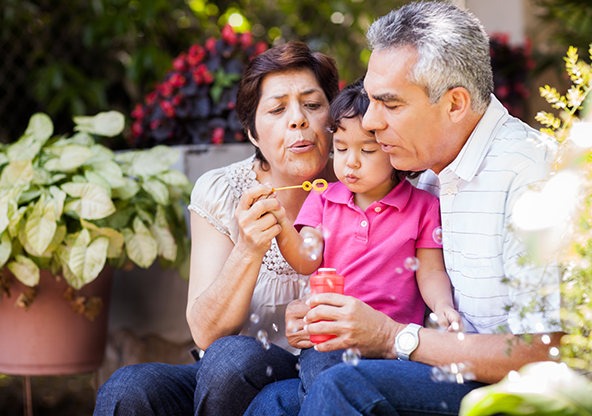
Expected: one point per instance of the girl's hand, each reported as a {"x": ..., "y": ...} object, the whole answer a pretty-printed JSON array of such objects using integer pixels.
[
  {"x": 257, "y": 225},
  {"x": 449, "y": 318}
]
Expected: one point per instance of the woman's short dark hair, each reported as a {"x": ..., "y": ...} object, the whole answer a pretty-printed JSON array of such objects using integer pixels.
[
  {"x": 290, "y": 56},
  {"x": 353, "y": 102}
]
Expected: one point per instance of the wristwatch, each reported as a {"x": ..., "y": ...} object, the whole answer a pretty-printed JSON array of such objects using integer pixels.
[{"x": 407, "y": 341}]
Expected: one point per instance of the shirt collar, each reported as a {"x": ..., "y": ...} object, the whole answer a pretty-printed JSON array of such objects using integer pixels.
[
  {"x": 398, "y": 197},
  {"x": 473, "y": 152}
]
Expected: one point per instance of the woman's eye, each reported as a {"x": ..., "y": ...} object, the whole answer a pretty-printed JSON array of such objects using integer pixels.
[
  {"x": 277, "y": 110},
  {"x": 313, "y": 106}
]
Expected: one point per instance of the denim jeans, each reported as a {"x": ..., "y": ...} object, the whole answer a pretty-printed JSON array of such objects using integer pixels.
[
  {"x": 230, "y": 374},
  {"x": 383, "y": 387},
  {"x": 312, "y": 363}
]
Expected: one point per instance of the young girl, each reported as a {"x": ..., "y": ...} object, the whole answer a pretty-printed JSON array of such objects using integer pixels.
[{"x": 378, "y": 229}]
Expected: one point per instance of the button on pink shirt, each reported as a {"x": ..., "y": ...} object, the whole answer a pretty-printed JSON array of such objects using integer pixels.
[{"x": 369, "y": 247}]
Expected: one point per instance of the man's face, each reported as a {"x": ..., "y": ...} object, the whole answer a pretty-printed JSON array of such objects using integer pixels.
[{"x": 411, "y": 129}]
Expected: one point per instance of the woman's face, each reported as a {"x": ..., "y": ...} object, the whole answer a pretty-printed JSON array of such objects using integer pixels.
[{"x": 292, "y": 124}]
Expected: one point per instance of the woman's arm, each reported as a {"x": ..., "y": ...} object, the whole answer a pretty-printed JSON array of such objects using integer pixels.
[
  {"x": 434, "y": 286},
  {"x": 223, "y": 275}
]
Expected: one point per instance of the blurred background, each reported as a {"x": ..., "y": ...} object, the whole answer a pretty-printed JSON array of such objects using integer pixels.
[{"x": 79, "y": 57}]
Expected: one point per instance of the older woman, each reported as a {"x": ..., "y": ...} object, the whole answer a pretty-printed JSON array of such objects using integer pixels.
[{"x": 240, "y": 283}]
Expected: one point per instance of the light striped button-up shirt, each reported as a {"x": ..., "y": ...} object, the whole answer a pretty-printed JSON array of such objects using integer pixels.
[{"x": 502, "y": 158}]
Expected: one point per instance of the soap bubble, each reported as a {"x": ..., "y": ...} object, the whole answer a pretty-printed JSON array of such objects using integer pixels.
[
  {"x": 546, "y": 339},
  {"x": 254, "y": 318},
  {"x": 461, "y": 336},
  {"x": 432, "y": 322},
  {"x": 453, "y": 373},
  {"x": 269, "y": 371},
  {"x": 455, "y": 326},
  {"x": 275, "y": 327},
  {"x": 297, "y": 366},
  {"x": 411, "y": 264},
  {"x": 312, "y": 243},
  {"x": 351, "y": 356},
  {"x": 399, "y": 270},
  {"x": 554, "y": 353},
  {"x": 437, "y": 235},
  {"x": 262, "y": 337}
]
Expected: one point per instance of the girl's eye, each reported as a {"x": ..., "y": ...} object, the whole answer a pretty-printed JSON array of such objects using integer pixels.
[
  {"x": 369, "y": 152},
  {"x": 340, "y": 150}
]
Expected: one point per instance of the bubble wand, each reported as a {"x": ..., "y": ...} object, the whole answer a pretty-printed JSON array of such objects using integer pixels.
[{"x": 318, "y": 185}]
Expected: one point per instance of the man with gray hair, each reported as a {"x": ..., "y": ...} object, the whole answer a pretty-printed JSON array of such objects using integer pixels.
[{"x": 430, "y": 85}]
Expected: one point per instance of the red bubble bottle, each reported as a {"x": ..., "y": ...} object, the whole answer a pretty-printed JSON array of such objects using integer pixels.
[{"x": 325, "y": 281}]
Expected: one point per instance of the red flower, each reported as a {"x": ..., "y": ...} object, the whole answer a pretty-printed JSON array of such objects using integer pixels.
[
  {"x": 154, "y": 124},
  {"x": 342, "y": 84},
  {"x": 208, "y": 78},
  {"x": 239, "y": 136},
  {"x": 218, "y": 135},
  {"x": 260, "y": 47},
  {"x": 165, "y": 89},
  {"x": 138, "y": 111},
  {"x": 150, "y": 98},
  {"x": 229, "y": 35},
  {"x": 195, "y": 56},
  {"x": 502, "y": 91},
  {"x": 167, "y": 109},
  {"x": 231, "y": 105},
  {"x": 137, "y": 129},
  {"x": 177, "y": 99},
  {"x": 177, "y": 80},
  {"x": 246, "y": 39},
  {"x": 179, "y": 63},
  {"x": 211, "y": 45}
]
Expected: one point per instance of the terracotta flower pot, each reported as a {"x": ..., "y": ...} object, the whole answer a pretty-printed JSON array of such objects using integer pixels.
[{"x": 50, "y": 338}]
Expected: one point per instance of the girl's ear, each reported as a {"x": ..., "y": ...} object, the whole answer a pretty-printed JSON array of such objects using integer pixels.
[
  {"x": 459, "y": 101},
  {"x": 252, "y": 139}
]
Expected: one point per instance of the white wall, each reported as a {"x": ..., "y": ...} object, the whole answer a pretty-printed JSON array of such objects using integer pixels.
[{"x": 505, "y": 16}]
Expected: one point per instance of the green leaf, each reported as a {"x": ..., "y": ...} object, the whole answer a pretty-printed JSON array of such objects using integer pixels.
[
  {"x": 544, "y": 388},
  {"x": 108, "y": 124},
  {"x": 15, "y": 222},
  {"x": 151, "y": 162},
  {"x": 59, "y": 197},
  {"x": 41, "y": 226},
  {"x": 140, "y": 245},
  {"x": 100, "y": 153},
  {"x": 77, "y": 253},
  {"x": 115, "y": 238},
  {"x": 19, "y": 172},
  {"x": 167, "y": 247},
  {"x": 174, "y": 178},
  {"x": 111, "y": 172},
  {"x": 25, "y": 270},
  {"x": 40, "y": 127},
  {"x": 93, "y": 177},
  {"x": 5, "y": 248},
  {"x": 94, "y": 202},
  {"x": 68, "y": 157},
  {"x": 157, "y": 190},
  {"x": 87, "y": 257},
  {"x": 127, "y": 191}
]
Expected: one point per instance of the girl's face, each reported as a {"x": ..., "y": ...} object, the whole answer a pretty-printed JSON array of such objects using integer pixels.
[
  {"x": 359, "y": 162},
  {"x": 292, "y": 120}
]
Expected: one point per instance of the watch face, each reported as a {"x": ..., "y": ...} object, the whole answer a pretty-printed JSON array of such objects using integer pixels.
[{"x": 407, "y": 341}]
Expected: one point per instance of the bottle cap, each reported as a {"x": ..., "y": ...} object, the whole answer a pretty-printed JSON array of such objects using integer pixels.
[{"x": 327, "y": 269}]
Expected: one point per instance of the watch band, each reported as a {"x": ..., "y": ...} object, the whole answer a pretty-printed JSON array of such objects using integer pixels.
[{"x": 407, "y": 341}]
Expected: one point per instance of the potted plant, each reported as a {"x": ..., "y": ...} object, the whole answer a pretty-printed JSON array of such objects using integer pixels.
[{"x": 69, "y": 208}]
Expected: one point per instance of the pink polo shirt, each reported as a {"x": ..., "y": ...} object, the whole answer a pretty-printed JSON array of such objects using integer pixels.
[{"x": 369, "y": 247}]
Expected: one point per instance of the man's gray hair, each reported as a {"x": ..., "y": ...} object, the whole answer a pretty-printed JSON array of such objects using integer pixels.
[{"x": 451, "y": 44}]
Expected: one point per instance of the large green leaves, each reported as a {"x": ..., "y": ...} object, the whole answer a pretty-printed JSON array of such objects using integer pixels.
[
  {"x": 148, "y": 163},
  {"x": 41, "y": 226},
  {"x": 25, "y": 270},
  {"x": 19, "y": 172},
  {"x": 545, "y": 388},
  {"x": 167, "y": 247},
  {"x": 67, "y": 158},
  {"x": 40, "y": 129},
  {"x": 92, "y": 201}
]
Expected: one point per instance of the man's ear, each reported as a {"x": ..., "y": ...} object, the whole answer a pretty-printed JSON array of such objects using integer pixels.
[
  {"x": 252, "y": 139},
  {"x": 459, "y": 101}
]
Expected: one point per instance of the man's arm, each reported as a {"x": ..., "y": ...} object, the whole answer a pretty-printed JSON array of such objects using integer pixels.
[{"x": 357, "y": 325}]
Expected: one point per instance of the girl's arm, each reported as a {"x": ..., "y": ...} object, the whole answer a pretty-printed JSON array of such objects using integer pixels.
[
  {"x": 290, "y": 243},
  {"x": 435, "y": 288},
  {"x": 223, "y": 275}
]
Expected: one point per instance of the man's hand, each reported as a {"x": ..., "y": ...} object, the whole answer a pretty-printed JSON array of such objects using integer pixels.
[
  {"x": 356, "y": 325},
  {"x": 295, "y": 312}
]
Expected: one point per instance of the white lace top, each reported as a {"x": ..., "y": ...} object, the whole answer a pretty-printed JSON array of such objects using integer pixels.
[{"x": 214, "y": 197}]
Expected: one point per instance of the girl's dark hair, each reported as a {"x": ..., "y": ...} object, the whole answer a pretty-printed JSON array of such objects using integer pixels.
[
  {"x": 290, "y": 56},
  {"x": 353, "y": 102}
]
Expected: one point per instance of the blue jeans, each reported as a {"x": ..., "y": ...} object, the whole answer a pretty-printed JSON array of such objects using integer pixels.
[
  {"x": 372, "y": 387},
  {"x": 312, "y": 363},
  {"x": 230, "y": 374}
]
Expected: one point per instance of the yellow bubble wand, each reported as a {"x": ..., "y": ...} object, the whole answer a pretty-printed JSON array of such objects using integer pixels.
[{"x": 318, "y": 185}]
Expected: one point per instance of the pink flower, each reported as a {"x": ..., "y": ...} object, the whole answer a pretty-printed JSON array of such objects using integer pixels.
[
  {"x": 167, "y": 109},
  {"x": 154, "y": 124},
  {"x": 231, "y": 105},
  {"x": 179, "y": 63},
  {"x": 246, "y": 39},
  {"x": 177, "y": 80},
  {"x": 150, "y": 98},
  {"x": 502, "y": 91},
  {"x": 260, "y": 47},
  {"x": 138, "y": 111},
  {"x": 229, "y": 35},
  {"x": 196, "y": 55},
  {"x": 342, "y": 84},
  {"x": 211, "y": 45},
  {"x": 137, "y": 129},
  {"x": 165, "y": 89},
  {"x": 218, "y": 135}
]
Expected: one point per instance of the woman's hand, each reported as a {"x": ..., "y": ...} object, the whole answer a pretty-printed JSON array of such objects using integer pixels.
[
  {"x": 257, "y": 225},
  {"x": 295, "y": 312},
  {"x": 356, "y": 325}
]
